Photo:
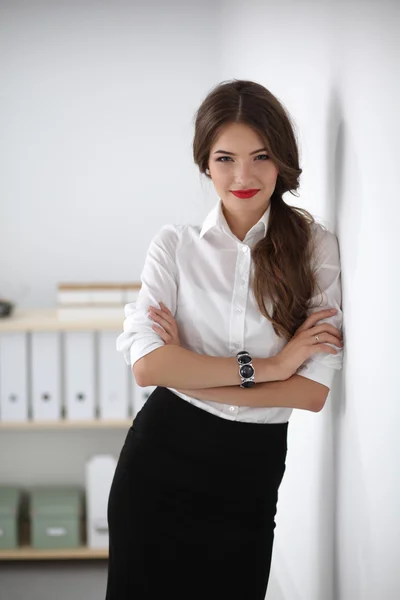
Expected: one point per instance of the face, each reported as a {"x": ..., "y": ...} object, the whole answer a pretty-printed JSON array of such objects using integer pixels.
[{"x": 238, "y": 161}]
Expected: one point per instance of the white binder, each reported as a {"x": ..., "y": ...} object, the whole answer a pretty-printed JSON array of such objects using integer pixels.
[
  {"x": 13, "y": 377},
  {"x": 45, "y": 369},
  {"x": 79, "y": 363},
  {"x": 140, "y": 395},
  {"x": 99, "y": 474},
  {"x": 113, "y": 378}
]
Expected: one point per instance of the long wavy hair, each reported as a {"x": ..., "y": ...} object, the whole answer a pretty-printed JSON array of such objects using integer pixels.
[{"x": 283, "y": 259}]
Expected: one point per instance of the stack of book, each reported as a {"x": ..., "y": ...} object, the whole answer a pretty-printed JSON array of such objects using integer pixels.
[{"x": 94, "y": 300}]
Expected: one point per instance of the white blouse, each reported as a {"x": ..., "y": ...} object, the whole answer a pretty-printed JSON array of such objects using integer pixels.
[{"x": 202, "y": 275}]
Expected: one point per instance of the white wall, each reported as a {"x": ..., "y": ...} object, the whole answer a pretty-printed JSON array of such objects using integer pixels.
[
  {"x": 366, "y": 82},
  {"x": 96, "y": 107},
  {"x": 335, "y": 66},
  {"x": 96, "y": 117},
  {"x": 93, "y": 166}
]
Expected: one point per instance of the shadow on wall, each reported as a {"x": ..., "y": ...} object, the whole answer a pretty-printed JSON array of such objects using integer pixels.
[{"x": 345, "y": 198}]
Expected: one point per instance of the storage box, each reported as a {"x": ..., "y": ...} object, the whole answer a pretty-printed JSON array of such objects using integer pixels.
[
  {"x": 55, "y": 514},
  {"x": 9, "y": 509},
  {"x": 96, "y": 294}
]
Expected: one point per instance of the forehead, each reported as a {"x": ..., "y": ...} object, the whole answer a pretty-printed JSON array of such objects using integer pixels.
[{"x": 237, "y": 136}]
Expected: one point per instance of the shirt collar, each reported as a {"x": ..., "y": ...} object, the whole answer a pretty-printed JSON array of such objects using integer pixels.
[{"x": 216, "y": 218}]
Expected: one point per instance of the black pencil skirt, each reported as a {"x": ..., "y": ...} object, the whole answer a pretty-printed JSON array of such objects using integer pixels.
[{"x": 192, "y": 505}]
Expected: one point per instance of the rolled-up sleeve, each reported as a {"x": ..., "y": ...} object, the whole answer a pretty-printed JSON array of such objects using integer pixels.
[
  {"x": 321, "y": 366},
  {"x": 159, "y": 284}
]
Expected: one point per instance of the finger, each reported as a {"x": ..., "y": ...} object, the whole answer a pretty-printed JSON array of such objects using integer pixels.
[
  {"x": 163, "y": 334},
  {"x": 169, "y": 325},
  {"x": 158, "y": 316},
  {"x": 162, "y": 308},
  {"x": 324, "y": 348},
  {"x": 314, "y": 317},
  {"x": 162, "y": 315},
  {"x": 327, "y": 338},
  {"x": 165, "y": 308},
  {"x": 326, "y": 327}
]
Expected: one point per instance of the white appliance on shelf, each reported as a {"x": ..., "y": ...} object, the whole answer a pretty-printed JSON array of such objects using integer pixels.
[{"x": 99, "y": 474}]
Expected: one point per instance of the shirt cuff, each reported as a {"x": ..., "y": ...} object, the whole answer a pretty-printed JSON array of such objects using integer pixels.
[
  {"x": 140, "y": 349},
  {"x": 317, "y": 372}
]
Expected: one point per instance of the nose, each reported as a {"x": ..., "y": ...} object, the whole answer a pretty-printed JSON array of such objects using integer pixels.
[{"x": 243, "y": 174}]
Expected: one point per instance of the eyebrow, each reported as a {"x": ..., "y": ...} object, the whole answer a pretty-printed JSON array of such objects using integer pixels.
[{"x": 233, "y": 154}]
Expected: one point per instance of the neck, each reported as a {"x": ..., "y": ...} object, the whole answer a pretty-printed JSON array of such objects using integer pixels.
[{"x": 239, "y": 223}]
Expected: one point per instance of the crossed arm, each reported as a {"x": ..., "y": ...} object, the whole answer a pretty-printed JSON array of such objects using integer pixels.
[{"x": 295, "y": 392}]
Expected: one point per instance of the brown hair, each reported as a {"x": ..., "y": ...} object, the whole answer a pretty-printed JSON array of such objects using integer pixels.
[{"x": 283, "y": 258}]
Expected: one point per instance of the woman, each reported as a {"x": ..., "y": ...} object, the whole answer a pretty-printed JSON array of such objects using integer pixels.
[{"x": 233, "y": 326}]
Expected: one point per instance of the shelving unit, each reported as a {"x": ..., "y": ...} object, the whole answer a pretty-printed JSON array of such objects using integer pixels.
[
  {"x": 64, "y": 424},
  {"x": 28, "y": 553},
  {"x": 46, "y": 320},
  {"x": 39, "y": 319}
]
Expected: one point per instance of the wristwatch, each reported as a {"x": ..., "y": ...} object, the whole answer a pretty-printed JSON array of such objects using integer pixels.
[{"x": 246, "y": 369}]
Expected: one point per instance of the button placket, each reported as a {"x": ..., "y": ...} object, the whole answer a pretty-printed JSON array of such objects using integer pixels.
[{"x": 239, "y": 300}]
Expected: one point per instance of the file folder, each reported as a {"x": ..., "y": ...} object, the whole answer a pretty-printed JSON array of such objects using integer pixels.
[
  {"x": 114, "y": 376},
  {"x": 45, "y": 369},
  {"x": 140, "y": 395},
  {"x": 79, "y": 360},
  {"x": 13, "y": 377}
]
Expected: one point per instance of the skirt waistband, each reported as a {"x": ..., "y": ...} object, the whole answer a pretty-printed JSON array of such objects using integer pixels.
[{"x": 168, "y": 418}]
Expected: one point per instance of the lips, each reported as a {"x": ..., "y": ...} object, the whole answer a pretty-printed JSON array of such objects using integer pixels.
[{"x": 244, "y": 193}]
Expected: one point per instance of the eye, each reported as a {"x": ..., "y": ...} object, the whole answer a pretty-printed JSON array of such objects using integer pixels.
[{"x": 220, "y": 159}]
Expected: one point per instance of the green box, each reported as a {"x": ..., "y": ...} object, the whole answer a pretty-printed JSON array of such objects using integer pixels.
[
  {"x": 55, "y": 514},
  {"x": 9, "y": 509}
]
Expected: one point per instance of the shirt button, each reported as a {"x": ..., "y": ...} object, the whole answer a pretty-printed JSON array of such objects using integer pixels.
[
  {"x": 245, "y": 248},
  {"x": 236, "y": 345},
  {"x": 231, "y": 408},
  {"x": 238, "y": 311}
]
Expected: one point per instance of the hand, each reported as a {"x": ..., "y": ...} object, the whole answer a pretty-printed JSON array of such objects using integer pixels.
[
  {"x": 303, "y": 344},
  {"x": 168, "y": 331}
]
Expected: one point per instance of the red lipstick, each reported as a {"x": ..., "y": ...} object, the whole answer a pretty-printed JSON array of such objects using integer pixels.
[{"x": 244, "y": 193}]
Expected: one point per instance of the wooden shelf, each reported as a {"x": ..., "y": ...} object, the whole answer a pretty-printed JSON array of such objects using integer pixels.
[
  {"x": 64, "y": 424},
  {"x": 46, "y": 320},
  {"x": 28, "y": 553}
]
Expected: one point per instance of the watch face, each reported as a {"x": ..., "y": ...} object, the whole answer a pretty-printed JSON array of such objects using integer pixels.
[
  {"x": 246, "y": 371},
  {"x": 243, "y": 359}
]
